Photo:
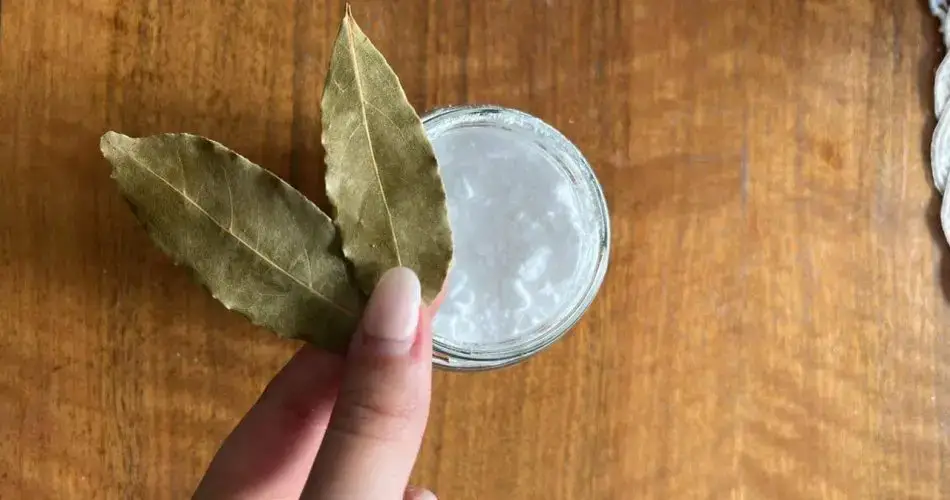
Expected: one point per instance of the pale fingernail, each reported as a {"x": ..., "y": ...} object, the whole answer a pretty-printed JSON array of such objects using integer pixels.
[
  {"x": 392, "y": 315},
  {"x": 413, "y": 493}
]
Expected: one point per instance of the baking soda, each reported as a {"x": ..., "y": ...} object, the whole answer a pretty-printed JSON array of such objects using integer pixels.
[{"x": 519, "y": 238}]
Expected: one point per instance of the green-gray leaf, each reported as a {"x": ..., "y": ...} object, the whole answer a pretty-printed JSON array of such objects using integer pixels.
[
  {"x": 258, "y": 245},
  {"x": 382, "y": 175}
]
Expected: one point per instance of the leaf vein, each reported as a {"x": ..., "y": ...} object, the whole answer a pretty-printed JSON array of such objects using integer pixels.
[
  {"x": 227, "y": 181},
  {"x": 390, "y": 120},
  {"x": 363, "y": 102},
  {"x": 181, "y": 167},
  {"x": 309, "y": 265},
  {"x": 239, "y": 239},
  {"x": 337, "y": 83}
]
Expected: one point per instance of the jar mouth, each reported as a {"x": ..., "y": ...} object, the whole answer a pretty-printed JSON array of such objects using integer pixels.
[{"x": 564, "y": 156}]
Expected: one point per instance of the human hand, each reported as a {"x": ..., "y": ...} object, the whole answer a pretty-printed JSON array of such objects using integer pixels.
[{"x": 333, "y": 428}]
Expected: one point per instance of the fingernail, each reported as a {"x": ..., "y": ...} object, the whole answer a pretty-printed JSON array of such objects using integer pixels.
[
  {"x": 392, "y": 315},
  {"x": 413, "y": 493}
]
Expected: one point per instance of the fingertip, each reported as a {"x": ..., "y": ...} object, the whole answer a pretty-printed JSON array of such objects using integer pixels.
[
  {"x": 390, "y": 322},
  {"x": 413, "y": 493}
]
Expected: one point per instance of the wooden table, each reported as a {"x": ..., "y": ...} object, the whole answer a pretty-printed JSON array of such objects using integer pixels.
[{"x": 772, "y": 325}]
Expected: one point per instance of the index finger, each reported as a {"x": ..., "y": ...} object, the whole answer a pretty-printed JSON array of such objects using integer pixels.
[{"x": 271, "y": 450}]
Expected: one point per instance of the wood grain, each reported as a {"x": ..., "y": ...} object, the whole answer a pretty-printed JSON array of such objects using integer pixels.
[{"x": 774, "y": 320}]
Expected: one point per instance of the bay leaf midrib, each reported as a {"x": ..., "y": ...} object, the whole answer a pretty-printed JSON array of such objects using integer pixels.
[
  {"x": 238, "y": 238},
  {"x": 351, "y": 45}
]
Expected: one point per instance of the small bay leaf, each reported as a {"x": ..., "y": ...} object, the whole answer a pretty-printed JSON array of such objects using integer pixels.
[
  {"x": 382, "y": 174},
  {"x": 258, "y": 245}
]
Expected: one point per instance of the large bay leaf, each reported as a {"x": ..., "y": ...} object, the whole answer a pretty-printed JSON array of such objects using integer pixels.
[
  {"x": 257, "y": 244},
  {"x": 382, "y": 175}
]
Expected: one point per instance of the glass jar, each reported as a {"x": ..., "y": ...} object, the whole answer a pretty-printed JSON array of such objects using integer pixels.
[{"x": 531, "y": 230}]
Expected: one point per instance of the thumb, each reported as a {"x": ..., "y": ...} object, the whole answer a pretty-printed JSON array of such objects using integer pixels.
[
  {"x": 391, "y": 320},
  {"x": 376, "y": 427}
]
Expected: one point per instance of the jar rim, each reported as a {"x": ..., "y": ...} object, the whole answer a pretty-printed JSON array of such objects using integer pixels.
[{"x": 567, "y": 157}]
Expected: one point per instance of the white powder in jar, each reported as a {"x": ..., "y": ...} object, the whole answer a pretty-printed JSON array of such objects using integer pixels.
[{"x": 518, "y": 237}]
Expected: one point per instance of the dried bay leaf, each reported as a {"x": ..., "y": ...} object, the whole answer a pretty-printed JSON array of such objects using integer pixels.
[
  {"x": 258, "y": 245},
  {"x": 382, "y": 174}
]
